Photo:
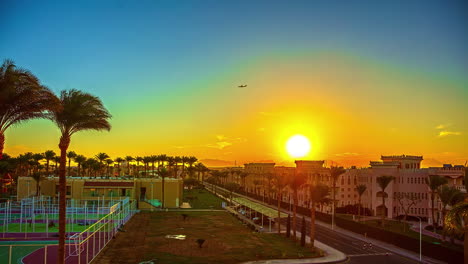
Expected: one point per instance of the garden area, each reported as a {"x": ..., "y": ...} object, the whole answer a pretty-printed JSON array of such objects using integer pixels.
[
  {"x": 199, "y": 198},
  {"x": 197, "y": 237}
]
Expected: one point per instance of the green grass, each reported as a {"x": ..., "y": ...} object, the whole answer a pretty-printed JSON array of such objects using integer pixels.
[
  {"x": 41, "y": 227},
  {"x": 202, "y": 199},
  {"x": 226, "y": 240},
  {"x": 399, "y": 227}
]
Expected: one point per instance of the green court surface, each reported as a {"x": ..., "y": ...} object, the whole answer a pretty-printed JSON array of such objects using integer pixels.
[
  {"x": 17, "y": 252},
  {"x": 41, "y": 227}
]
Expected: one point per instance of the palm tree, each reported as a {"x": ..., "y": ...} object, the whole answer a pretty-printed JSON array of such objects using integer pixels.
[
  {"x": 199, "y": 168},
  {"x": 280, "y": 182},
  {"x": 448, "y": 195},
  {"x": 295, "y": 183},
  {"x": 70, "y": 155},
  {"x": 177, "y": 160},
  {"x": 22, "y": 98},
  {"x": 56, "y": 161},
  {"x": 101, "y": 157},
  {"x": 243, "y": 175},
  {"x": 109, "y": 162},
  {"x": 434, "y": 182},
  {"x": 79, "y": 159},
  {"x": 37, "y": 158},
  {"x": 138, "y": 160},
  {"x": 163, "y": 173},
  {"x": 184, "y": 160},
  {"x": 146, "y": 161},
  {"x": 319, "y": 195},
  {"x": 48, "y": 156},
  {"x": 360, "y": 189},
  {"x": 383, "y": 182},
  {"x": 457, "y": 220},
  {"x": 161, "y": 159},
  {"x": 79, "y": 111},
  {"x": 129, "y": 159},
  {"x": 335, "y": 173},
  {"x": 269, "y": 177},
  {"x": 119, "y": 162},
  {"x": 37, "y": 176}
]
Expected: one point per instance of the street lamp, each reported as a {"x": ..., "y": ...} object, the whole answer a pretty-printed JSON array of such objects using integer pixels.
[{"x": 420, "y": 238}]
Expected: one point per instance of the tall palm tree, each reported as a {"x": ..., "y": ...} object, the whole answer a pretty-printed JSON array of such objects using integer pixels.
[
  {"x": 37, "y": 176},
  {"x": 335, "y": 173},
  {"x": 79, "y": 159},
  {"x": 448, "y": 195},
  {"x": 138, "y": 159},
  {"x": 79, "y": 111},
  {"x": 22, "y": 98},
  {"x": 153, "y": 159},
  {"x": 56, "y": 161},
  {"x": 360, "y": 189},
  {"x": 101, "y": 157},
  {"x": 280, "y": 182},
  {"x": 119, "y": 161},
  {"x": 37, "y": 157},
  {"x": 48, "y": 156},
  {"x": 129, "y": 159},
  {"x": 295, "y": 183},
  {"x": 161, "y": 159},
  {"x": 191, "y": 160},
  {"x": 146, "y": 161},
  {"x": 109, "y": 162},
  {"x": 434, "y": 182},
  {"x": 163, "y": 173},
  {"x": 319, "y": 195},
  {"x": 269, "y": 178},
  {"x": 70, "y": 155},
  {"x": 199, "y": 168},
  {"x": 177, "y": 160},
  {"x": 183, "y": 159},
  {"x": 383, "y": 182}
]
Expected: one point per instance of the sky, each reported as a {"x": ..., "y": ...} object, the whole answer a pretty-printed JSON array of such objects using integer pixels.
[{"x": 360, "y": 79}]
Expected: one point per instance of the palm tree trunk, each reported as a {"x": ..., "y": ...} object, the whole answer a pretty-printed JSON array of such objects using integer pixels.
[
  {"x": 294, "y": 214},
  {"x": 434, "y": 224},
  {"x": 312, "y": 224},
  {"x": 359, "y": 209},
  {"x": 279, "y": 213},
  {"x": 383, "y": 208},
  {"x": 63, "y": 145},
  {"x": 69, "y": 163},
  {"x": 162, "y": 192},
  {"x": 2, "y": 143},
  {"x": 47, "y": 167}
]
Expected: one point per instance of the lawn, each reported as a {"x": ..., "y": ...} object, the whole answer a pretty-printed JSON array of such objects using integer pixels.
[
  {"x": 202, "y": 199},
  {"x": 399, "y": 227},
  {"x": 226, "y": 240}
]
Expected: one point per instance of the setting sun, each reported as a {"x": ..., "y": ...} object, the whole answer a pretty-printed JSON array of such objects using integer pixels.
[{"x": 298, "y": 146}]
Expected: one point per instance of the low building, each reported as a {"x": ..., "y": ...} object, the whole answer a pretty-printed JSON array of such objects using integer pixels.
[{"x": 83, "y": 188}]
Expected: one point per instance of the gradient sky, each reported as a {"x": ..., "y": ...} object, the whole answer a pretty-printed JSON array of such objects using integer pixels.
[{"x": 359, "y": 78}]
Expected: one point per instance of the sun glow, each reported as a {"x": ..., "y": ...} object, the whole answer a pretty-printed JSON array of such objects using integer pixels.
[{"x": 298, "y": 146}]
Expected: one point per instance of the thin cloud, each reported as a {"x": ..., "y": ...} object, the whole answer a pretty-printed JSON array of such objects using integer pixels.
[
  {"x": 449, "y": 133},
  {"x": 443, "y": 126},
  {"x": 347, "y": 154},
  {"x": 224, "y": 142}
]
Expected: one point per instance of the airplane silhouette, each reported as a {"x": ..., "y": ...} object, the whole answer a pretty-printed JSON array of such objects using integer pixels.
[{"x": 242, "y": 86}]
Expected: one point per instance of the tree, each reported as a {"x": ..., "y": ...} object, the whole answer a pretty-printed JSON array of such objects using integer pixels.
[
  {"x": 79, "y": 159},
  {"x": 22, "y": 98},
  {"x": 319, "y": 195},
  {"x": 128, "y": 159},
  {"x": 434, "y": 182},
  {"x": 360, "y": 189},
  {"x": 138, "y": 160},
  {"x": 163, "y": 173},
  {"x": 335, "y": 173},
  {"x": 232, "y": 187},
  {"x": 109, "y": 162},
  {"x": 48, "y": 156},
  {"x": 146, "y": 161},
  {"x": 36, "y": 160},
  {"x": 119, "y": 162},
  {"x": 457, "y": 220},
  {"x": 101, "y": 157},
  {"x": 280, "y": 182},
  {"x": 269, "y": 178},
  {"x": 153, "y": 159},
  {"x": 79, "y": 111},
  {"x": 190, "y": 183},
  {"x": 383, "y": 182},
  {"x": 295, "y": 183},
  {"x": 70, "y": 155},
  {"x": 406, "y": 201},
  {"x": 257, "y": 183},
  {"x": 200, "y": 168},
  {"x": 448, "y": 195},
  {"x": 37, "y": 176}
]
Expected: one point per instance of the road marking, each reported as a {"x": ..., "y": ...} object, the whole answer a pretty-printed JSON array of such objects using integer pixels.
[{"x": 371, "y": 254}]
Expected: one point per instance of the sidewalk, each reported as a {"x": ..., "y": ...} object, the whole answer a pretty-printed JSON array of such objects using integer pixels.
[{"x": 415, "y": 227}]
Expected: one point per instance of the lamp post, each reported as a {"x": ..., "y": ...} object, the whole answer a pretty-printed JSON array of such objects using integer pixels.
[{"x": 420, "y": 238}]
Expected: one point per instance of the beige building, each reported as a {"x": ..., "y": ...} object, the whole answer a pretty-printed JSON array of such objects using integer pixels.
[{"x": 84, "y": 188}]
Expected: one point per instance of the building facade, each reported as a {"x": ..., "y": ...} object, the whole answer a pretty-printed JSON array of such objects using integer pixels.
[{"x": 84, "y": 188}]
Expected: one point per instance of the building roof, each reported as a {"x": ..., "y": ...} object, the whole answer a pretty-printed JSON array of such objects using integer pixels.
[{"x": 108, "y": 184}]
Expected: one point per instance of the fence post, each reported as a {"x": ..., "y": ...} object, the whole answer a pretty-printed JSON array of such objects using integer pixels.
[
  {"x": 9, "y": 254},
  {"x": 45, "y": 254}
]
